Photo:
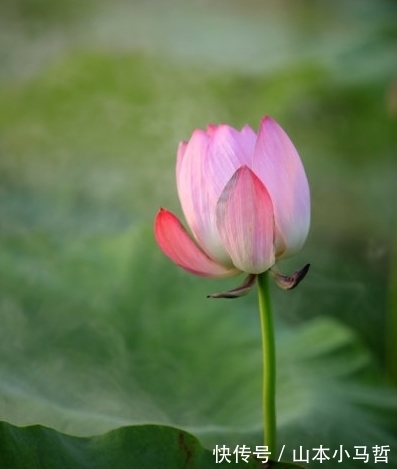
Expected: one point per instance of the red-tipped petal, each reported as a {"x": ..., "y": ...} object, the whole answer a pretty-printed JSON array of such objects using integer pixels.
[
  {"x": 246, "y": 223},
  {"x": 176, "y": 243},
  {"x": 277, "y": 164}
]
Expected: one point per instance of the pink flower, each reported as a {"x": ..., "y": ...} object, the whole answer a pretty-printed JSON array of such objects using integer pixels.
[{"x": 245, "y": 197}]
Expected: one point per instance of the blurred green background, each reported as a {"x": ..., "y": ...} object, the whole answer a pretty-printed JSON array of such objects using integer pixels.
[{"x": 97, "y": 328}]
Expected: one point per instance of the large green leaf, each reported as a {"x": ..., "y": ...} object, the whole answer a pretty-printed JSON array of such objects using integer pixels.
[{"x": 141, "y": 447}]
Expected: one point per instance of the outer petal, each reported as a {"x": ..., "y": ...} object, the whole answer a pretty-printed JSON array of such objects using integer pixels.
[
  {"x": 176, "y": 243},
  {"x": 245, "y": 222},
  {"x": 277, "y": 164},
  {"x": 209, "y": 161}
]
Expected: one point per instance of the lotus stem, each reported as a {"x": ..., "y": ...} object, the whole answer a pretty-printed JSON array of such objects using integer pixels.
[{"x": 269, "y": 364}]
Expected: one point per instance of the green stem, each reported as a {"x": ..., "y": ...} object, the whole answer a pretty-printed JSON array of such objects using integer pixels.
[{"x": 269, "y": 363}]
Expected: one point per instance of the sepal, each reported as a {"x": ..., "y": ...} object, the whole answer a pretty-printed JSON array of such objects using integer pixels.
[
  {"x": 241, "y": 290},
  {"x": 288, "y": 282}
]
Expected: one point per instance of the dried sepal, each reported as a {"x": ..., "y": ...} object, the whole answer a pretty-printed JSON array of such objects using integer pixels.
[
  {"x": 288, "y": 282},
  {"x": 241, "y": 290}
]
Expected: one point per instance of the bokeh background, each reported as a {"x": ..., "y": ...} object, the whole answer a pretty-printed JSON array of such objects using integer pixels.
[{"x": 97, "y": 328}]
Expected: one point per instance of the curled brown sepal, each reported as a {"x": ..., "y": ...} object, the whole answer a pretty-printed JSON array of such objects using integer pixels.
[
  {"x": 241, "y": 290},
  {"x": 288, "y": 282}
]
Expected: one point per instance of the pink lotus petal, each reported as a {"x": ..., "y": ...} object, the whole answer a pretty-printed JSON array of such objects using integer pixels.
[
  {"x": 248, "y": 139},
  {"x": 208, "y": 163},
  {"x": 245, "y": 222},
  {"x": 181, "y": 152},
  {"x": 211, "y": 128},
  {"x": 277, "y": 164},
  {"x": 176, "y": 243}
]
